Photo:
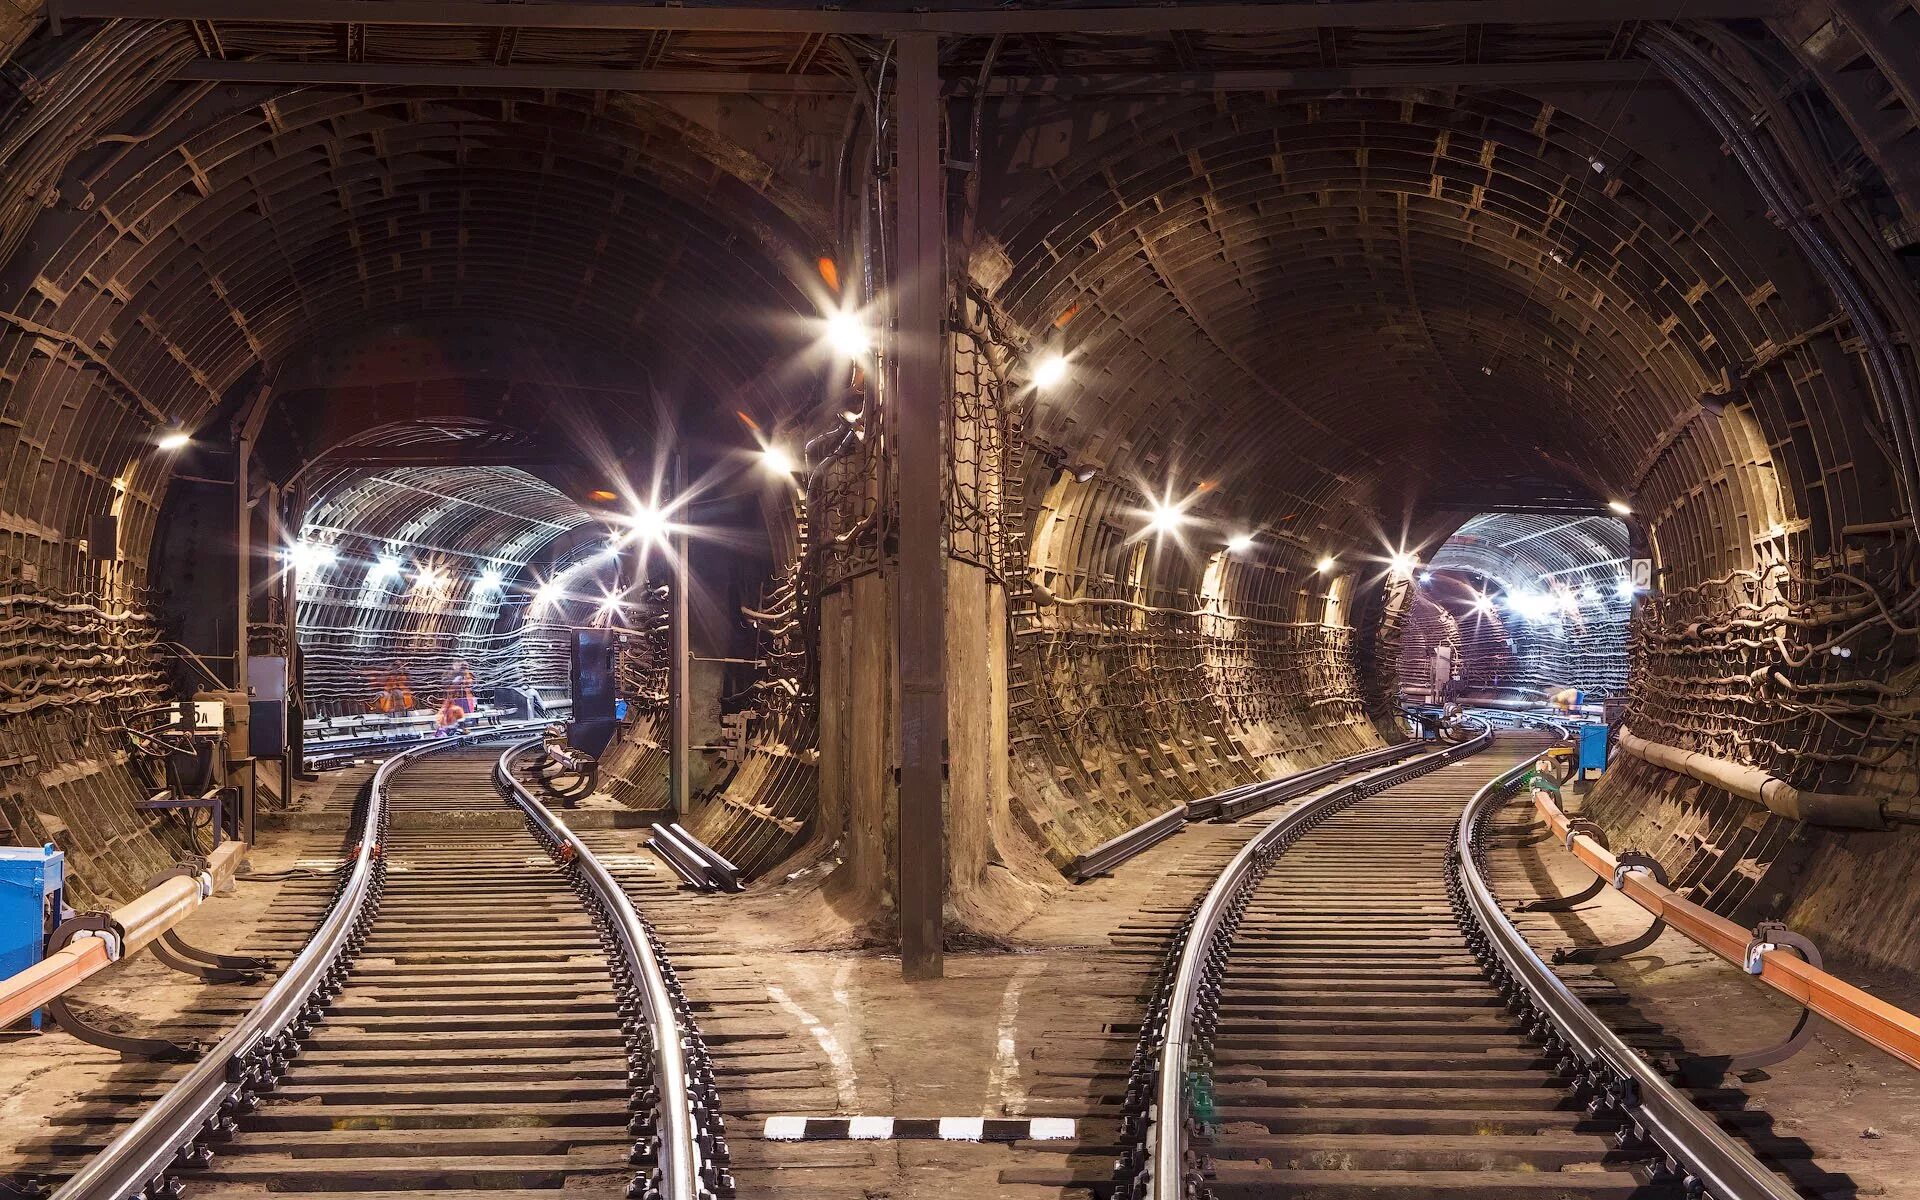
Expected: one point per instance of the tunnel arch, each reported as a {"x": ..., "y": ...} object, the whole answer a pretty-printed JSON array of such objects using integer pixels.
[
  {"x": 240, "y": 225},
  {"x": 1226, "y": 235}
]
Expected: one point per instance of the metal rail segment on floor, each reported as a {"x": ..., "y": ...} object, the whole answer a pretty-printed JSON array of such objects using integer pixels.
[
  {"x": 686, "y": 1125},
  {"x": 177, "y": 1133},
  {"x": 1171, "y": 1084}
]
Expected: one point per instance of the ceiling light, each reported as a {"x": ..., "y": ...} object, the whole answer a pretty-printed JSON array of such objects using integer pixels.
[
  {"x": 1325, "y": 564},
  {"x": 1620, "y": 508},
  {"x": 547, "y": 595},
  {"x": 610, "y": 605},
  {"x": 777, "y": 460},
  {"x": 1049, "y": 371},
  {"x": 175, "y": 439},
  {"x": 1482, "y": 603},
  {"x": 1164, "y": 518},
  {"x": 387, "y": 568},
  {"x": 430, "y": 579},
  {"x": 308, "y": 558},
  {"x": 1403, "y": 564},
  {"x": 490, "y": 580},
  {"x": 649, "y": 525},
  {"x": 848, "y": 335},
  {"x": 1624, "y": 589},
  {"x": 1426, "y": 577},
  {"x": 1240, "y": 542}
]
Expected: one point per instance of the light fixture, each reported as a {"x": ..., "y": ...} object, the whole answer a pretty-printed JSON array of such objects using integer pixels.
[
  {"x": 309, "y": 558},
  {"x": 1530, "y": 605},
  {"x": 388, "y": 567},
  {"x": 1624, "y": 589},
  {"x": 1085, "y": 474},
  {"x": 1164, "y": 518},
  {"x": 1403, "y": 564},
  {"x": 777, "y": 461},
  {"x": 175, "y": 439},
  {"x": 547, "y": 595},
  {"x": 1482, "y": 603},
  {"x": 848, "y": 335},
  {"x": 1325, "y": 564},
  {"x": 1239, "y": 542},
  {"x": 490, "y": 580},
  {"x": 430, "y": 580},
  {"x": 610, "y": 604},
  {"x": 649, "y": 525},
  {"x": 1049, "y": 371},
  {"x": 1620, "y": 508},
  {"x": 1426, "y": 577}
]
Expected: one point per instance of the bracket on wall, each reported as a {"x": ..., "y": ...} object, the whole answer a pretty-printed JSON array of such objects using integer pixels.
[
  {"x": 1569, "y": 903},
  {"x": 1706, "y": 1070},
  {"x": 1627, "y": 861}
]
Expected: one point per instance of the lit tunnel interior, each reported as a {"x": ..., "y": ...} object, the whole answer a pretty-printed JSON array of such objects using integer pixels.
[
  {"x": 979, "y": 442},
  {"x": 1289, "y": 335}
]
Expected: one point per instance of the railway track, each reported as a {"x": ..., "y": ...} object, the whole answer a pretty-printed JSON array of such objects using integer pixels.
[
  {"x": 1346, "y": 1014},
  {"x": 481, "y": 1012}
]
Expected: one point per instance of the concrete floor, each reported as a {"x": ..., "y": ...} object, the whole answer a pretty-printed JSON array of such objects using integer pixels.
[{"x": 1041, "y": 1030}]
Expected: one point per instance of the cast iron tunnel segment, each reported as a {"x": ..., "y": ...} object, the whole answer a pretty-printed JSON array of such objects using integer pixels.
[
  {"x": 1348, "y": 1014},
  {"x": 470, "y": 1017}
]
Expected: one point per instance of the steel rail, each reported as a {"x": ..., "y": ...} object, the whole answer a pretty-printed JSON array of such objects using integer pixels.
[
  {"x": 1605, "y": 1071},
  {"x": 685, "y": 1133},
  {"x": 1180, "y": 1022},
  {"x": 178, "y": 1131}
]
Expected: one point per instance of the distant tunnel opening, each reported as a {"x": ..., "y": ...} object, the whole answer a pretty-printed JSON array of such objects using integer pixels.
[{"x": 1518, "y": 607}]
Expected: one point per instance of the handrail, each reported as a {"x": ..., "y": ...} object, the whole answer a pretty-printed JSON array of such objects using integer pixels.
[
  {"x": 1867, "y": 1017},
  {"x": 687, "y": 1135},
  {"x": 1180, "y": 1020},
  {"x": 178, "y": 1129},
  {"x": 136, "y": 923},
  {"x": 1610, "y": 1076}
]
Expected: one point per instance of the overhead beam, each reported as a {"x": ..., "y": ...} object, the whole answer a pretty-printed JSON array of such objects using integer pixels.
[
  {"x": 591, "y": 79},
  {"x": 954, "y": 20},
  {"x": 388, "y": 74}
]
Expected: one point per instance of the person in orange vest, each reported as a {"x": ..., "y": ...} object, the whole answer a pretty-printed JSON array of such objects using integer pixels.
[
  {"x": 460, "y": 687},
  {"x": 447, "y": 720}
]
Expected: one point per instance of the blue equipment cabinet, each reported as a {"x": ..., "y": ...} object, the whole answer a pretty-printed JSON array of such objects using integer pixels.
[
  {"x": 1593, "y": 750},
  {"x": 31, "y": 882}
]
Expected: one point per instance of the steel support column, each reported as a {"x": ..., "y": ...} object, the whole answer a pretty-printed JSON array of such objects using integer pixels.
[
  {"x": 918, "y": 407},
  {"x": 679, "y": 652}
]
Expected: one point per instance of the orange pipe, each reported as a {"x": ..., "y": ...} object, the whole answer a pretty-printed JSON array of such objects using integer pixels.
[
  {"x": 1867, "y": 1017},
  {"x": 144, "y": 919}
]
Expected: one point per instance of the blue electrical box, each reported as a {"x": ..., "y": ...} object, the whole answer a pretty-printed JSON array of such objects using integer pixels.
[
  {"x": 1593, "y": 750},
  {"x": 31, "y": 881}
]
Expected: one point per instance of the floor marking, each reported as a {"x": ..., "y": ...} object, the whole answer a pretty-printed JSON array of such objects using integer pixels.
[
  {"x": 837, "y": 1057},
  {"x": 923, "y": 1129},
  {"x": 1006, "y": 1058}
]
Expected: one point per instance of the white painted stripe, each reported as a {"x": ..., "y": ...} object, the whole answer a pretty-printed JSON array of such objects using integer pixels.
[
  {"x": 962, "y": 1129},
  {"x": 870, "y": 1129},
  {"x": 1051, "y": 1129},
  {"x": 844, "y": 1088},
  {"x": 786, "y": 1129}
]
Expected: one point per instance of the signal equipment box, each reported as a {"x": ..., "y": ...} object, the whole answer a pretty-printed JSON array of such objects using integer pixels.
[{"x": 32, "y": 885}]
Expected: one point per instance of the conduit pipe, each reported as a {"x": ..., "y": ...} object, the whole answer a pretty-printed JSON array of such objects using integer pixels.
[
  {"x": 1867, "y": 1017},
  {"x": 138, "y": 922},
  {"x": 1775, "y": 794}
]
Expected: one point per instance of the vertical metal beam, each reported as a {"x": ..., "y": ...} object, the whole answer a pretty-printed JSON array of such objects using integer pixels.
[
  {"x": 919, "y": 404},
  {"x": 679, "y": 655}
]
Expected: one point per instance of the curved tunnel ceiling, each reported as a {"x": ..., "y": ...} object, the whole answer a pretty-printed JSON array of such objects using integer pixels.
[
  {"x": 223, "y": 229},
  {"x": 1529, "y": 550},
  {"x": 1379, "y": 301}
]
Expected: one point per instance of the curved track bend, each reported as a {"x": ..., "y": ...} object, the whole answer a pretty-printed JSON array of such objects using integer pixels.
[
  {"x": 1347, "y": 1016},
  {"x": 491, "y": 1019}
]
